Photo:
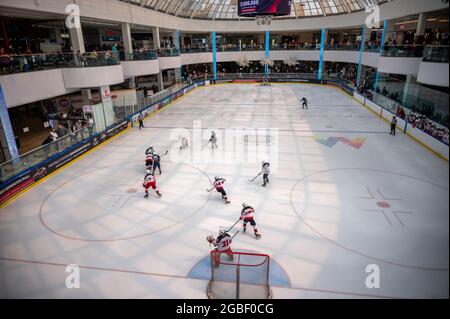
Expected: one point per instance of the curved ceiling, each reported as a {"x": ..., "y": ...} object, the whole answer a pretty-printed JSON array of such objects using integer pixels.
[{"x": 227, "y": 9}]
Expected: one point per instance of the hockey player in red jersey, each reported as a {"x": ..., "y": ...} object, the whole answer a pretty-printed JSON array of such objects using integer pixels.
[
  {"x": 150, "y": 181},
  {"x": 223, "y": 246},
  {"x": 247, "y": 217},
  {"x": 219, "y": 185}
]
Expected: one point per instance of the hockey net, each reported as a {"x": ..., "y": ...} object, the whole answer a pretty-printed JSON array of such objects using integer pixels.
[{"x": 246, "y": 276}]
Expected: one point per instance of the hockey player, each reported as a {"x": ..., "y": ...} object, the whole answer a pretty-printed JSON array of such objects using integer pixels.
[
  {"x": 304, "y": 103},
  {"x": 247, "y": 217},
  {"x": 265, "y": 170},
  {"x": 156, "y": 163},
  {"x": 150, "y": 150},
  {"x": 149, "y": 161},
  {"x": 150, "y": 181},
  {"x": 223, "y": 246},
  {"x": 213, "y": 140},
  {"x": 218, "y": 184}
]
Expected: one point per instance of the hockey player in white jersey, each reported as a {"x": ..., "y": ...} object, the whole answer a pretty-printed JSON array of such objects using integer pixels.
[
  {"x": 265, "y": 170},
  {"x": 247, "y": 217},
  {"x": 222, "y": 245}
]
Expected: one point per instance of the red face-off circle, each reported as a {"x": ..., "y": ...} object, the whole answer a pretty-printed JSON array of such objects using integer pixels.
[{"x": 383, "y": 205}]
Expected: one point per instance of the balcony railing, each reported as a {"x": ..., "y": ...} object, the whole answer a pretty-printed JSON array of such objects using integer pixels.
[
  {"x": 436, "y": 54},
  {"x": 405, "y": 51},
  {"x": 169, "y": 52},
  {"x": 140, "y": 55}
]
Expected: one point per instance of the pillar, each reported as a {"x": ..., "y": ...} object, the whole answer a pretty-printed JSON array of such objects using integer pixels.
[
  {"x": 86, "y": 95},
  {"x": 7, "y": 132},
  {"x": 156, "y": 38},
  {"x": 58, "y": 37},
  {"x": 266, "y": 68},
  {"x": 383, "y": 40},
  {"x": 126, "y": 36},
  {"x": 214, "y": 47},
  {"x": 361, "y": 49},
  {"x": 389, "y": 30},
  {"x": 76, "y": 39},
  {"x": 323, "y": 40},
  {"x": 421, "y": 26},
  {"x": 160, "y": 81}
]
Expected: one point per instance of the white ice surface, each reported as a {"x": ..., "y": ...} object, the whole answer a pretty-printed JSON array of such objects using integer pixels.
[{"x": 319, "y": 218}]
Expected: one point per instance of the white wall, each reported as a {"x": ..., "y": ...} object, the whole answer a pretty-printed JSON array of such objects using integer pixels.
[
  {"x": 341, "y": 56},
  {"x": 137, "y": 68},
  {"x": 398, "y": 65},
  {"x": 166, "y": 63},
  {"x": 194, "y": 58},
  {"x": 433, "y": 73},
  {"x": 22, "y": 88},
  {"x": 89, "y": 77},
  {"x": 123, "y": 12},
  {"x": 370, "y": 59}
]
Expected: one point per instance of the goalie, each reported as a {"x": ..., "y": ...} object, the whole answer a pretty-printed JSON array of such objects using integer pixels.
[{"x": 223, "y": 246}]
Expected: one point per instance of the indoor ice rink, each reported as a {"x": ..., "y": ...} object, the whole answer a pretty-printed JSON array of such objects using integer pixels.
[
  {"x": 265, "y": 150},
  {"x": 345, "y": 195}
]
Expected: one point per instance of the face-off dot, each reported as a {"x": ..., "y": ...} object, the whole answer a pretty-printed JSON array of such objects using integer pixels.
[{"x": 383, "y": 205}]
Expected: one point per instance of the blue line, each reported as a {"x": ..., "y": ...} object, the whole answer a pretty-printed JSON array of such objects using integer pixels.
[
  {"x": 214, "y": 55},
  {"x": 361, "y": 49},
  {"x": 322, "y": 48}
]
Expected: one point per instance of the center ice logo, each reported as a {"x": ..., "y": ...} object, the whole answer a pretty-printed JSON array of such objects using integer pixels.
[{"x": 332, "y": 141}]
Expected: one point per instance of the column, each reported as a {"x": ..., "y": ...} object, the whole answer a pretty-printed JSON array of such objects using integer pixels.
[
  {"x": 181, "y": 40},
  {"x": 76, "y": 39},
  {"x": 58, "y": 37},
  {"x": 389, "y": 29},
  {"x": 86, "y": 95},
  {"x": 126, "y": 36},
  {"x": 160, "y": 81},
  {"x": 7, "y": 130},
  {"x": 322, "y": 48},
  {"x": 421, "y": 25},
  {"x": 383, "y": 40},
  {"x": 410, "y": 90},
  {"x": 214, "y": 47},
  {"x": 361, "y": 49},
  {"x": 156, "y": 38},
  {"x": 266, "y": 67}
]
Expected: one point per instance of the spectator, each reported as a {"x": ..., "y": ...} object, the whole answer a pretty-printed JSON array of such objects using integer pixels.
[
  {"x": 53, "y": 135},
  {"x": 61, "y": 131}
]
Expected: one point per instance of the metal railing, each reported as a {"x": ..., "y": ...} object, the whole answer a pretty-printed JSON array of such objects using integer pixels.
[
  {"x": 405, "y": 51},
  {"x": 141, "y": 55},
  {"x": 436, "y": 54},
  {"x": 25, "y": 161}
]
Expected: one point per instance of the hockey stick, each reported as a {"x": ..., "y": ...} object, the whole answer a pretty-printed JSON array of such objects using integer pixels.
[
  {"x": 233, "y": 225},
  {"x": 235, "y": 235},
  {"x": 167, "y": 152},
  {"x": 209, "y": 190},
  {"x": 256, "y": 177}
]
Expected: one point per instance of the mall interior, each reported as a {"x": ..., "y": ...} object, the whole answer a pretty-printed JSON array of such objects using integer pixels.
[{"x": 62, "y": 81}]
